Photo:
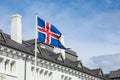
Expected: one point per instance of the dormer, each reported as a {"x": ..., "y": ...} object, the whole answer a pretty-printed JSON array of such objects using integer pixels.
[
  {"x": 97, "y": 71},
  {"x": 60, "y": 57},
  {"x": 76, "y": 64},
  {"x": 2, "y": 37},
  {"x": 57, "y": 57},
  {"x": 80, "y": 64}
]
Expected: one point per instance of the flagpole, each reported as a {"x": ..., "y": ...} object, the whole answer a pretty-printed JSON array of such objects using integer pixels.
[{"x": 35, "y": 46}]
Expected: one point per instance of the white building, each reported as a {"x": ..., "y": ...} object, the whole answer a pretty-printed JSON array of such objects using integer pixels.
[{"x": 17, "y": 59}]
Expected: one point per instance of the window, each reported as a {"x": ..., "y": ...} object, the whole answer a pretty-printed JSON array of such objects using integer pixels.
[
  {"x": 63, "y": 77},
  {"x": 1, "y": 63},
  {"x": 7, "y": 65},
  {"x": 12, "y": 67},
  {"x": 41, "y": 74}
]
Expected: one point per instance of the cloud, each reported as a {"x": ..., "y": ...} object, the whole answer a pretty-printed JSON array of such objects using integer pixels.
[
  {"x": 85, "y": 49},
  {"x": 106, "y": 62}
]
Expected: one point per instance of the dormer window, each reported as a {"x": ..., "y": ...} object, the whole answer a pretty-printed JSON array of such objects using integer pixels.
[
  {"x": 79, "y": 65},
  {"x": 60, "y": 58}
]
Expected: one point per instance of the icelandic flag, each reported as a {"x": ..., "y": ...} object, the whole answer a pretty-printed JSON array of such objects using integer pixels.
[{"x": 49, "y": 34}]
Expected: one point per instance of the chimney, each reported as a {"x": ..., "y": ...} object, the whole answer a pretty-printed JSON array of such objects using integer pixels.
[{"x": 16, "y": 28}]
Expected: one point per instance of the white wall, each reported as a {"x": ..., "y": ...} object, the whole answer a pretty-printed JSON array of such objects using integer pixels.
[{"x": 20, "y": 67}]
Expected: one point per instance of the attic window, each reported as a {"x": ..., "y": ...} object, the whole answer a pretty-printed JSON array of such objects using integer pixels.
[
  {"x": 79, "y": 65},
  {"x": 60, "y": 58}
]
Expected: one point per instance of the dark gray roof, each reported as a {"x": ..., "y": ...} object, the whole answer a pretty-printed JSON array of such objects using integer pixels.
[
  {"x": 115, "y": 74},
  {"x": 28, "y": 48},
  {"x": 12, "y": 44},
  {"x": 32, "y": 41},
  {"x": 71, "y": 52}
]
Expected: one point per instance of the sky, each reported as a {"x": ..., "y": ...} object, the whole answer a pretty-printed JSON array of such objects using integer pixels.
[{"x": 91, "y": 28}]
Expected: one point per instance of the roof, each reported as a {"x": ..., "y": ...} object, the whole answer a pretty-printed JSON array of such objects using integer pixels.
[
  {"x": 32, "y": 41},
  {"x": 12, "y": 44},
  {"x": 97, "y": 71},
  {"x": 115, "y": 74},
  {"x": 28, "y": 48}
]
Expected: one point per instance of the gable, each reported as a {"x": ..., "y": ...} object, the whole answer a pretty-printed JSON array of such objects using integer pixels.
[
  {"x": 2, "y": 38},
  {"x": 60, "y": 58},
  {"x": 79, "y": 65}
]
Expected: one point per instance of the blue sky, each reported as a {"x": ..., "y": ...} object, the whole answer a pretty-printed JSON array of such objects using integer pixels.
[{"x": 90, "y": 27}]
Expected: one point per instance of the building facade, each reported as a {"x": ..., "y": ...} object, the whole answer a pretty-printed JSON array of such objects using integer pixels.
[{"x": 17, "y": 61}]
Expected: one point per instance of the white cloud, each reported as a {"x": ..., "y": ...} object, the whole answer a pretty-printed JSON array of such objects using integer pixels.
[
  {"x": 85, "y": 50},
  {"x": 106, "y": 62}
]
